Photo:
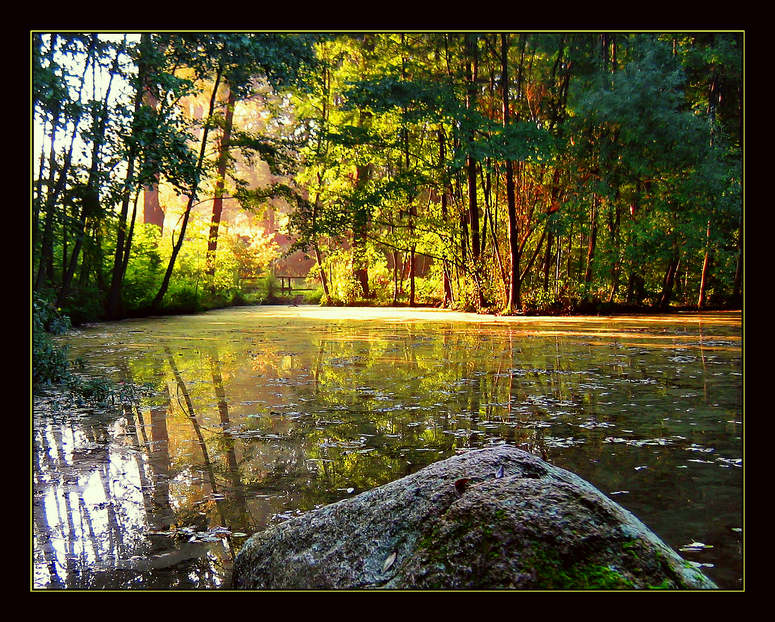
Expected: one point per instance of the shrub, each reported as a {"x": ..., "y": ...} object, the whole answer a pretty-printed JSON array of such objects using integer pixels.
[
  {"x": 314, "y": 297},
  {"x": 49, "y": 361}
]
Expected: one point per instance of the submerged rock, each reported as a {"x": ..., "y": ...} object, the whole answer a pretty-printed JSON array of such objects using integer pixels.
[{"x": 491, "y": 518}]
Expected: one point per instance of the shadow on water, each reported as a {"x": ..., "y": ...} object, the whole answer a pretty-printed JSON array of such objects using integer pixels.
[{"x": 254, "y": 415}]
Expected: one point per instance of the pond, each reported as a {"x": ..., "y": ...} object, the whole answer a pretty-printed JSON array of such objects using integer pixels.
[{"x": 251, "y": 415}]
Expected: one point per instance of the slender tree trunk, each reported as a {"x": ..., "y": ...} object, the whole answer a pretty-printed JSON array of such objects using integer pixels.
[
  {"x": 533, "y": 256},
  {"x": 191, "y": 199},
  {"x": 46, "y": 266},
  {"x": 615, "y": 242},
  {"x": 497, "y": 252},
  {"x": 705, "y": 265},
  {"x": 91, "y": 202},
  {"x": 547, "y": 260},
  {"x": 592, "y": 240},
  {"x": 447, "y": 285},
  {"x": 153, "y": 214},
  {"x": 315, "y": 247},
  {"x": 130, "y": 235},
  {"x": 412, "y": 245},
  {"x": 485, "y": 181},
  {"x": 113, "y": 306},
  {"x": 394, "y": 255},
  {"x": 359, "y": 262},
  {"x": 114, "y": 295},
  {"x": 515, "y": 302},
  {"x": 223, "y": 161},
  {"x": 668, "y": 280},
  {"x": 473, "y": 209},
  {"x": 737, "y": 287}
]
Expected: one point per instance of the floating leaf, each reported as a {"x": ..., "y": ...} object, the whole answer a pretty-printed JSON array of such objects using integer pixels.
[
  {"x": 696, "y": 546},
  {"x": 389, "y": 561},
  {"x": 700, "y": 565}
]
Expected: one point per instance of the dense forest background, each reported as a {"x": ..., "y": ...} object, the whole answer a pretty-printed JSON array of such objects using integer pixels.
[{"x": 508, "y": 172}]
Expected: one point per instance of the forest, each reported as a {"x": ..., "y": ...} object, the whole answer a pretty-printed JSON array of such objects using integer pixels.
[{"x": 500, "y": 172}]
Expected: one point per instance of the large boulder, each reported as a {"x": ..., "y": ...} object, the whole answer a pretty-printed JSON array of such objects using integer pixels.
[{"x": 491, "y": 518}]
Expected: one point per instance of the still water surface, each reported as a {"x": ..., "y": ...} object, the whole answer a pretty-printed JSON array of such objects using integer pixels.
[{"x": 255, "y": 414}]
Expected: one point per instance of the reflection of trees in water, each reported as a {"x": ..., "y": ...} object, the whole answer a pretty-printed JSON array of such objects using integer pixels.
[
  {"x": 236, "y": 490},
  {"x": 70, "y": 532},
  {"x": 92, "y": 511},
  {"x": 341, "y": 408}
]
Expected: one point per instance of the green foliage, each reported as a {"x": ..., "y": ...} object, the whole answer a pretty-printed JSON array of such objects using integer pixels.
[
  {"x": 144, "y": 270},
  {"x": 49, "y": 361},
  {"x": 315, "y": 297}
]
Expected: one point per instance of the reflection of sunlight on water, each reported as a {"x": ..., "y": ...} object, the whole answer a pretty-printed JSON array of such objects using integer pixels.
[
  {"x": 402, "y": 314},
  {"x": 93, "y": 515}
]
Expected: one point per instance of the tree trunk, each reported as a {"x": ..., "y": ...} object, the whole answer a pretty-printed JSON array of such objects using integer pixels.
[
  {"x": 473, "y": 209},
  {"x": 360, "y": 266},
  {"x": 668, "y": 280},
  {"x": 46, "y": 265},
  {"x": 91, "y": 202},
  {"x": 191, "y": 199},
  {"x": 223, "y": 161},
  {"x": 613, "y": 227},
  {"x": 447, "y": 285},
  {"x": 592, "y": 240},
  {"x": 737, "y": 287},
  {"x": 705, "y": 264},
  {"x": 153, "y": 214},
  {"x": 547, "y": 260},
  {"x": 315, "y": 247},
  {"x": 515, "y": 302}
]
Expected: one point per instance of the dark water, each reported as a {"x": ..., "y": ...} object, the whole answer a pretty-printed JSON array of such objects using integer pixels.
[{"x": 252, "y": 415}]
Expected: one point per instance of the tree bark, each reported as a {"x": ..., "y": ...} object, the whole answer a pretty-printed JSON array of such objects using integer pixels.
[
  {"x": 360, "y": 266},
  {"x": 515, "y": 302},
  {"x": 668, "y": 280},
  {"x": 223, "y": 161},
  {"x": 592, "y": 240},
  {"x": 473, "y": 209},
  {"x": 705, "y": 265},
  {"x": 447, "y": 285},
  {"x": 737, "y": 287}
]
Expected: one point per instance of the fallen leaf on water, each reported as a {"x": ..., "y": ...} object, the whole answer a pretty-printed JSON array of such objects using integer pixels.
[
  {"x": 700, "y": 565},
  {"x": 696, "y": 546},
  {"x": 389, "y": 562}
]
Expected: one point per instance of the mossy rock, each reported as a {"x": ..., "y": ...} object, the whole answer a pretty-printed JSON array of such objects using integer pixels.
[{"x": 458, "y": 525}]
